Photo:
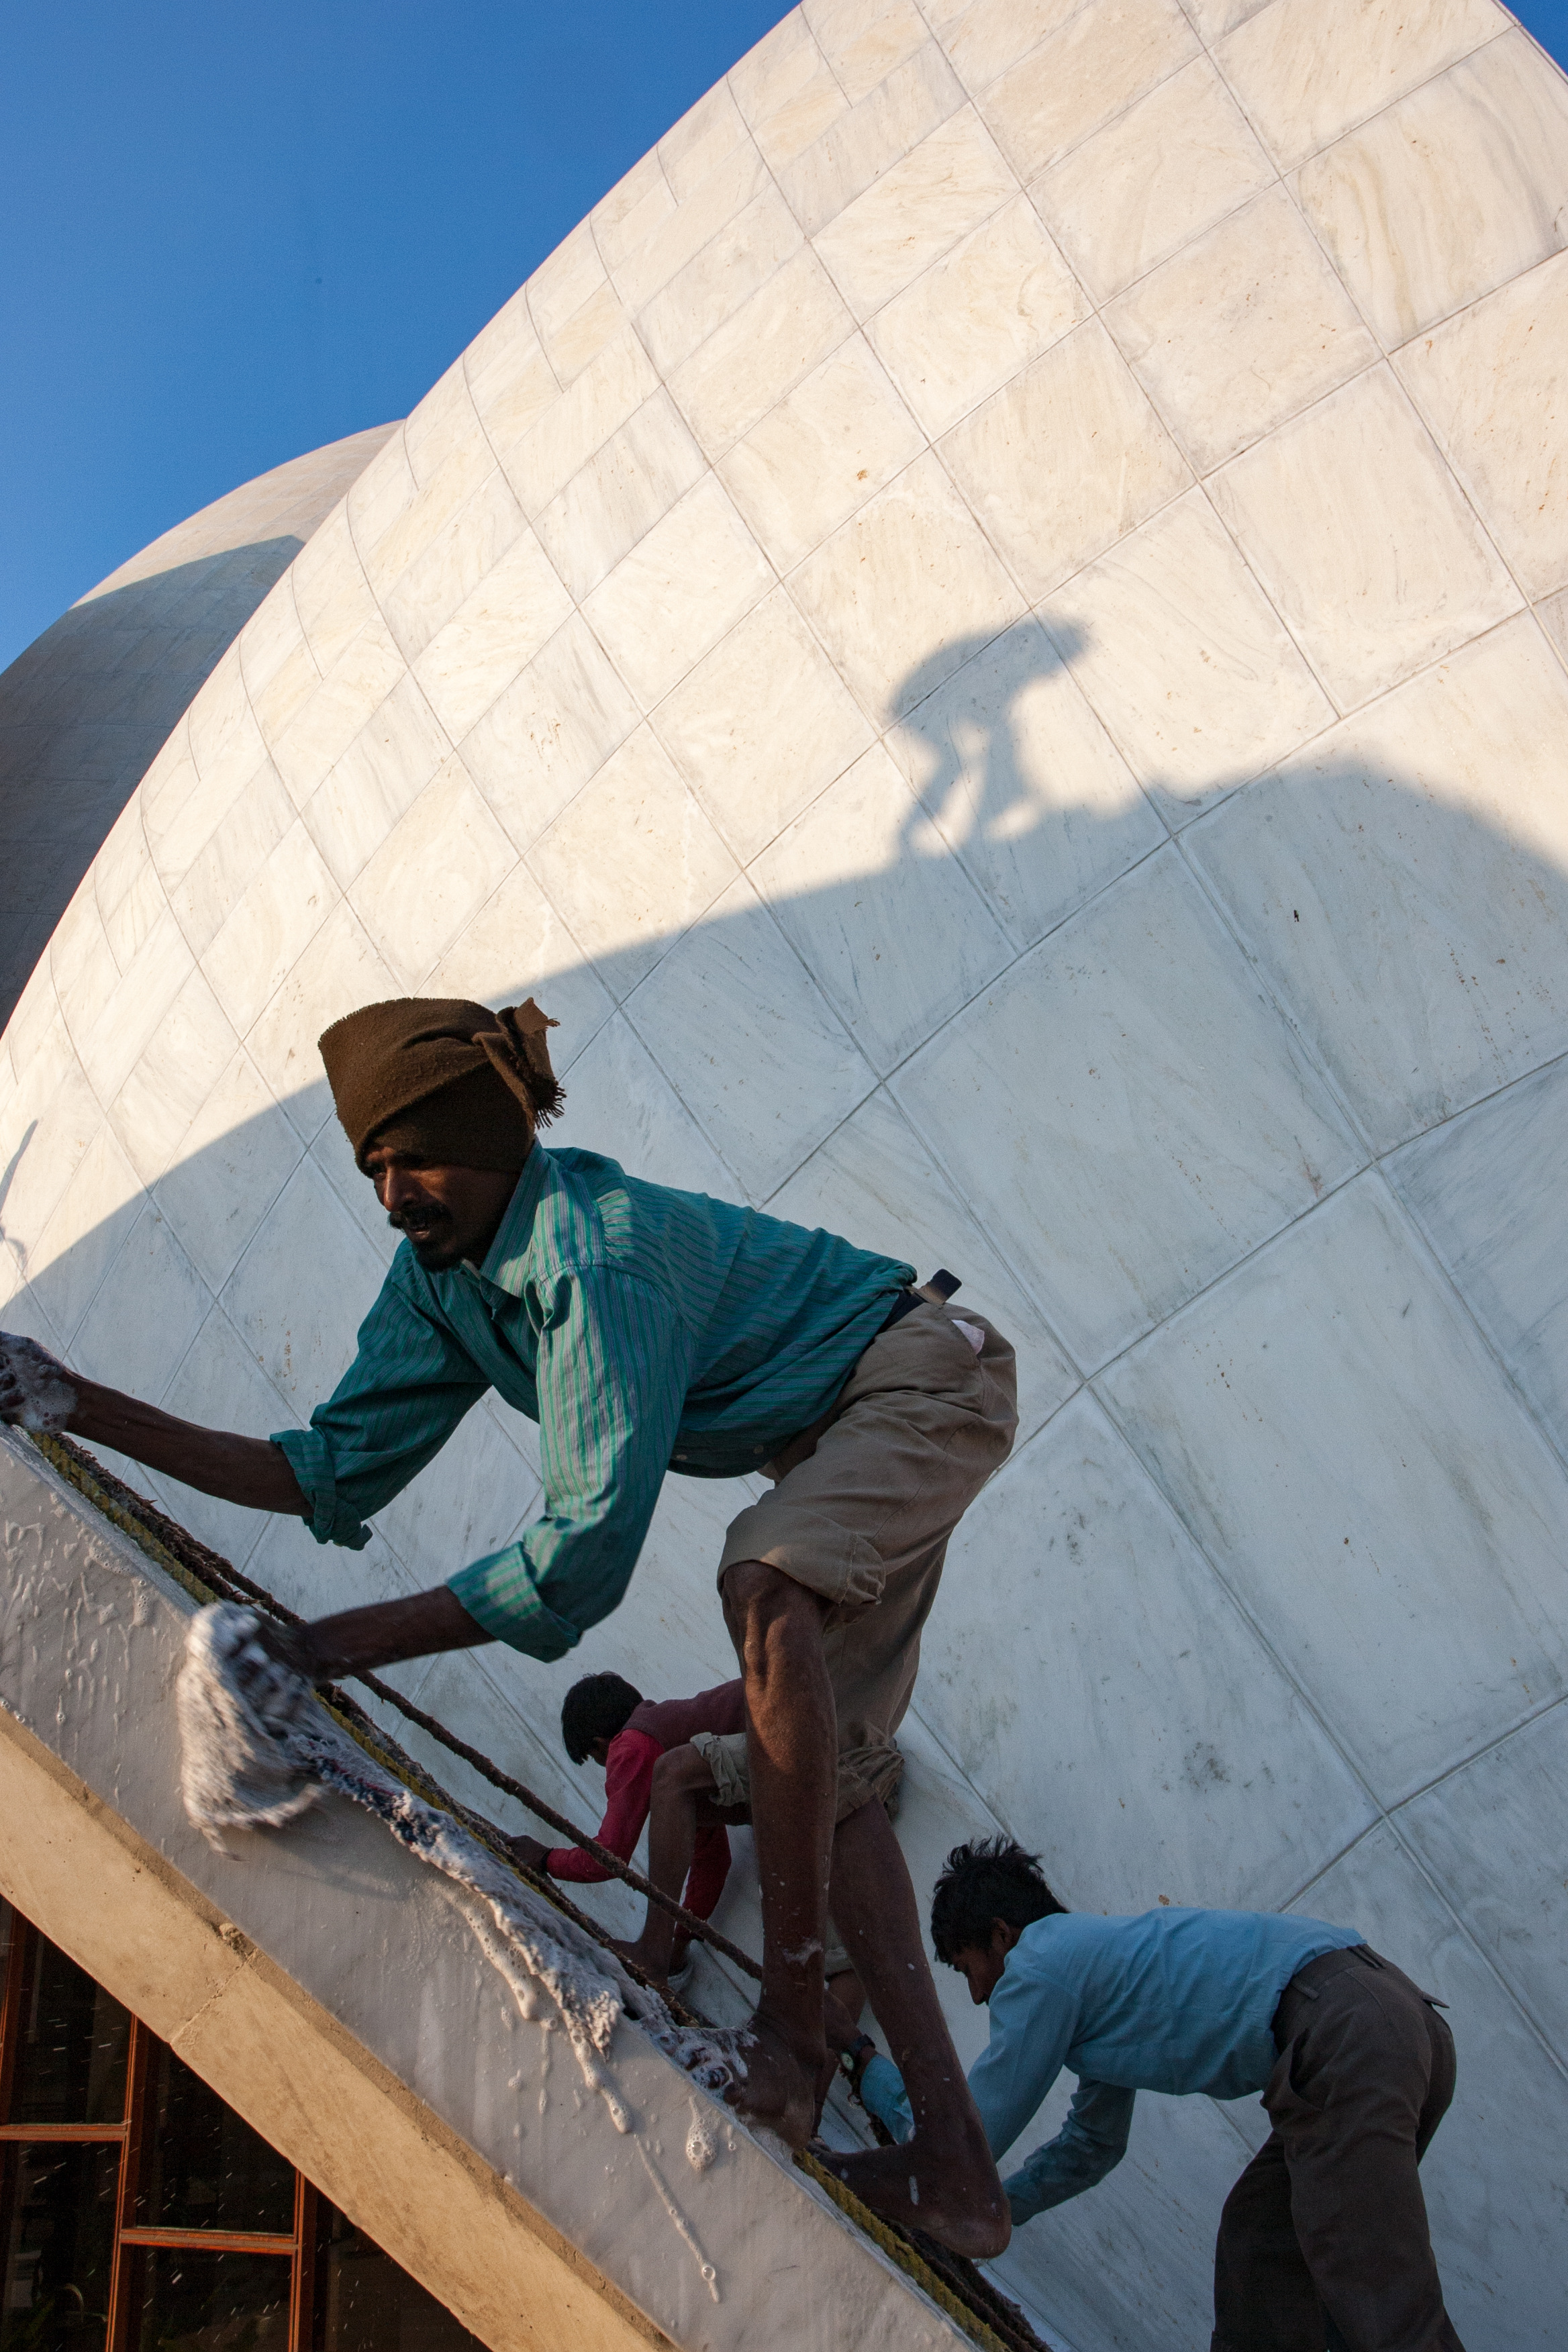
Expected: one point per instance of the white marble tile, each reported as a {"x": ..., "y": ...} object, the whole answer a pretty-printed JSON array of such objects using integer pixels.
[
  {"x": 441, "y": 424},
  {"x": 336, "y": 1161},
  {"x": 461, "y": 1505},
  {"x": 621, "y": 1103},
  {"x": 761, "y": 726},
  {"x": 632, "y": 863},
  {"x": 235, "y": 1158},
  {"x": 338, "y": 971},
  {"x": 277, "y": 665},
  {"x": 219, "y": 1385},
  {"x": 382, "y": 773},
  {"x": 1484, "y": 1188},
  {"x": 126, "y": 1017},
  {"x": 822, "y": 452},
  {"x": 705, "y": 135},
  {"x": 714, "y": 284},
  {"x": 147, "y": 1311},
  {"x": 1175, "y": 1761},
  {"x": 1307, "y": 70},
  {"x": 185, "y": 1056},
  {"x": 786, "y": 91},
  {"x": 1015, "y": 297},
  {"x": 1081, "y": 76},
  {"x": 541, "y": 739},
  {"x": 1179, "y": 651},
  {"x": 512, "y": 389},
  {"x": 1019, "y": 776},
  {"x": 860, "y": 145},
  {"x": 1215, "y": 18},
  {"x": 299, "y": 1292},
  {"x": 1363, "y": 540},
  {"x": 775, "y": 337},
  {"x": 518, "y": 946},
  {"x": 1493, "y": 385},
  {"x": 903, "y": 592},
  {"x": 619, "y": 494},
  {"x": 271, "y": 927},
  {"x": 863, "y": 43},
  {"x": 1427, "y": 839},
  {"x": 317, "y": 1579},
  {"x": 570, "y": 348},
  {"x": 1452, "y": 192},
  {"x": 543, "y": 460},
  {"x": 323, "y": 727},
  {"x": 1245, "y": 327},
  {"x": 677, "y": 592},
  {"x": 1064, "y": 460},
  {"x": 376, "y": 498},
  {"x": 633, "y": 208},
  {"x": 1509, "y": 2122},
  {"x": 704, "y": 211},
  {"x": 516, "y": 607},
  {"x": 563, "y": 282},
  {"x": 451, "y": 564},
  {"x": 988, "y": 36},
  {"x": 1374, "y": 1491},
  {"x": 874, "y": 1182},
  {"x": 331, "y": 595},
  {"x": 46, "y": 1135},
  {"x": 1126, "y": 1112},
  {"x": 748, "y": 1040},
  {"x": 432, "y": 874},
  {"x": 234, "y": 853},
  {"x": 898, "y": 937},
  {"x": 1152, "y": 180},
  {"x": 1489, "y": 1834},
  {"x": 941, "y": 191},
  {"x": 88, "y": 1228},
  {"x": 428, "y": 513}
]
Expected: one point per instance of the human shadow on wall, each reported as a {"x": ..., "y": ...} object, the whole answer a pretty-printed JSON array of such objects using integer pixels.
[
  {"x": 1313, "y": 884},
  {"x": 84, "y": 711}
]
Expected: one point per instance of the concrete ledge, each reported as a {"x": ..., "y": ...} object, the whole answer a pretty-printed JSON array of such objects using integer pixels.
[{"x": 333, "y": 1991}]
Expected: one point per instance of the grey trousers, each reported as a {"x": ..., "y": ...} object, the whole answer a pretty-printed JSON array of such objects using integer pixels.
[{"x": 1323, "y": 2240}]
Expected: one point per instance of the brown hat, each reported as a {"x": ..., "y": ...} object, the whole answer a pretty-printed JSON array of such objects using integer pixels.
[{"x": 442, "y": 1079}]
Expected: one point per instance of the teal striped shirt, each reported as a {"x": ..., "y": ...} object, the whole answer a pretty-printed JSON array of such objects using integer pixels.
[{"x": 644, "y": 1329}]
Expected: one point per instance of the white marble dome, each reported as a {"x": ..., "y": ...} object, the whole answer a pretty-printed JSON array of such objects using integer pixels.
[{"x": 988, "y": 636}]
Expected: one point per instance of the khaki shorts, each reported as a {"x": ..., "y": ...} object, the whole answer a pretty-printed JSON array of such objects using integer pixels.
[{"x": 862, "y": 1511}]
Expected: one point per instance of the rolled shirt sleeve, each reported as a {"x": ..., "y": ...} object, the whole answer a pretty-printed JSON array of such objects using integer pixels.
[{"x": 614, "y": 1358}]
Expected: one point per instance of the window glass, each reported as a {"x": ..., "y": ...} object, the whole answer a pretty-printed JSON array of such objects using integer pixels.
[
  {"x": 201, "y": 2167},
  {"x": 365, "y": 2302},
  {"x": 71, "y": 2046},
  {"x": 56, "y": 2246},
  {"x": 189, "y": 2301}
]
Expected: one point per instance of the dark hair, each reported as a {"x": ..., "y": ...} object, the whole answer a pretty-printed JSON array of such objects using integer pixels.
[
  {"x": 596, "y": 1708},
  {"x": 989, "y": 1879}
]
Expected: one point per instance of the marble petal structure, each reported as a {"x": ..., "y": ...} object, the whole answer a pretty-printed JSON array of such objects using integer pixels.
[{"x": 989, "y": 636}]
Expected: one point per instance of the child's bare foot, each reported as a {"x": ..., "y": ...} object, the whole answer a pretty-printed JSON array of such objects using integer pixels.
[
  {"x": 780, "y": 2088},
  {"x": 952, "y": 2192}
]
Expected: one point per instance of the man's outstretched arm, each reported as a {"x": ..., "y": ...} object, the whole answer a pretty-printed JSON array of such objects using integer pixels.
[{"x": 38, "y": 1391}]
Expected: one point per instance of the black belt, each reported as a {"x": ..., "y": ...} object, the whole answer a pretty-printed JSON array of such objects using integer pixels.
[{"x": 935, "y": 1293}]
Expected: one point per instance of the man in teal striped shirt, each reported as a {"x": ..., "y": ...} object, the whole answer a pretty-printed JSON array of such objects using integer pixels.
[{"x": 646, "y": 1329}]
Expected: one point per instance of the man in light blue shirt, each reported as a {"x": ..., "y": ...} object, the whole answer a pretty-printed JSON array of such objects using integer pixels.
[{"x": 1324, "y": 2237}]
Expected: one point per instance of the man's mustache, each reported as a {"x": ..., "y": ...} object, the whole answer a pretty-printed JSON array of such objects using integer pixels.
[{"x": 420, "y": 1216}]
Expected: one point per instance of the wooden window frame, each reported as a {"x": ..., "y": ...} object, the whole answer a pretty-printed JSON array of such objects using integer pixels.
[{"x": 129, "y": 2135}]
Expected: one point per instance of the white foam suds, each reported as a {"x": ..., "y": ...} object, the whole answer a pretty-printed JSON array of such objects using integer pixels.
[
  {"x": 258, "y": 1748},
  {"x": 36, "y": 1389}
]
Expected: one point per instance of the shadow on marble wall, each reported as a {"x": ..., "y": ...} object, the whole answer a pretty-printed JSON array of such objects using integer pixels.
[
  {"x": 1334, "y": 967},
  {"x": 85, "y": 710}
]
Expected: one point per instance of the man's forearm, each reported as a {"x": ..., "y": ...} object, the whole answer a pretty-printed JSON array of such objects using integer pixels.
[{"x": 249, "y": 1471}]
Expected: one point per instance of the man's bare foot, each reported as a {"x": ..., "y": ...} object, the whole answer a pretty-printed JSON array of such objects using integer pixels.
[
  {"x": 780, "y": 2088},
  {"x": 953, "y": 2193}
]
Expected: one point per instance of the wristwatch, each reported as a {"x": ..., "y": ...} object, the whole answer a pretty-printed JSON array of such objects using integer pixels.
[{"x": 853, "y": 2060}]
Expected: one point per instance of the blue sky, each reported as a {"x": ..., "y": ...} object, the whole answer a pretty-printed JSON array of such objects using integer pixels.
[{"x": 233, "y": 233}]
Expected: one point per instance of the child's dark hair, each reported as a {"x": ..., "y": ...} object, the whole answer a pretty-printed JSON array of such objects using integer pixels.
[
  {"x": 989, "y": 1879},
  {"x": 596, "y": 1708}
]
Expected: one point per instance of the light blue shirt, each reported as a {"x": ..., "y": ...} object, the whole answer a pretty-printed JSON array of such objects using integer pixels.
[{"x": 1169, "y": 2001}]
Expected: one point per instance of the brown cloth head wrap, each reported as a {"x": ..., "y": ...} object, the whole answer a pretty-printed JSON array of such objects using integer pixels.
[{"x": 442, "y": 1079}]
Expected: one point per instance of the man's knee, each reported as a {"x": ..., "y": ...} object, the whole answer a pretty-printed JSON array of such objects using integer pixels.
[
  {"x": 757, "y": 1596},
  {"x": 682, "y": 1771}
]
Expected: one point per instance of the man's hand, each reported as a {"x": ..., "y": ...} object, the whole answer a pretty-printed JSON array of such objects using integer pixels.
[
  {"x": 383, "y": 1634},
  {"x": 36, "y": 1389},
  {"x": 528, "y": 1851}
]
